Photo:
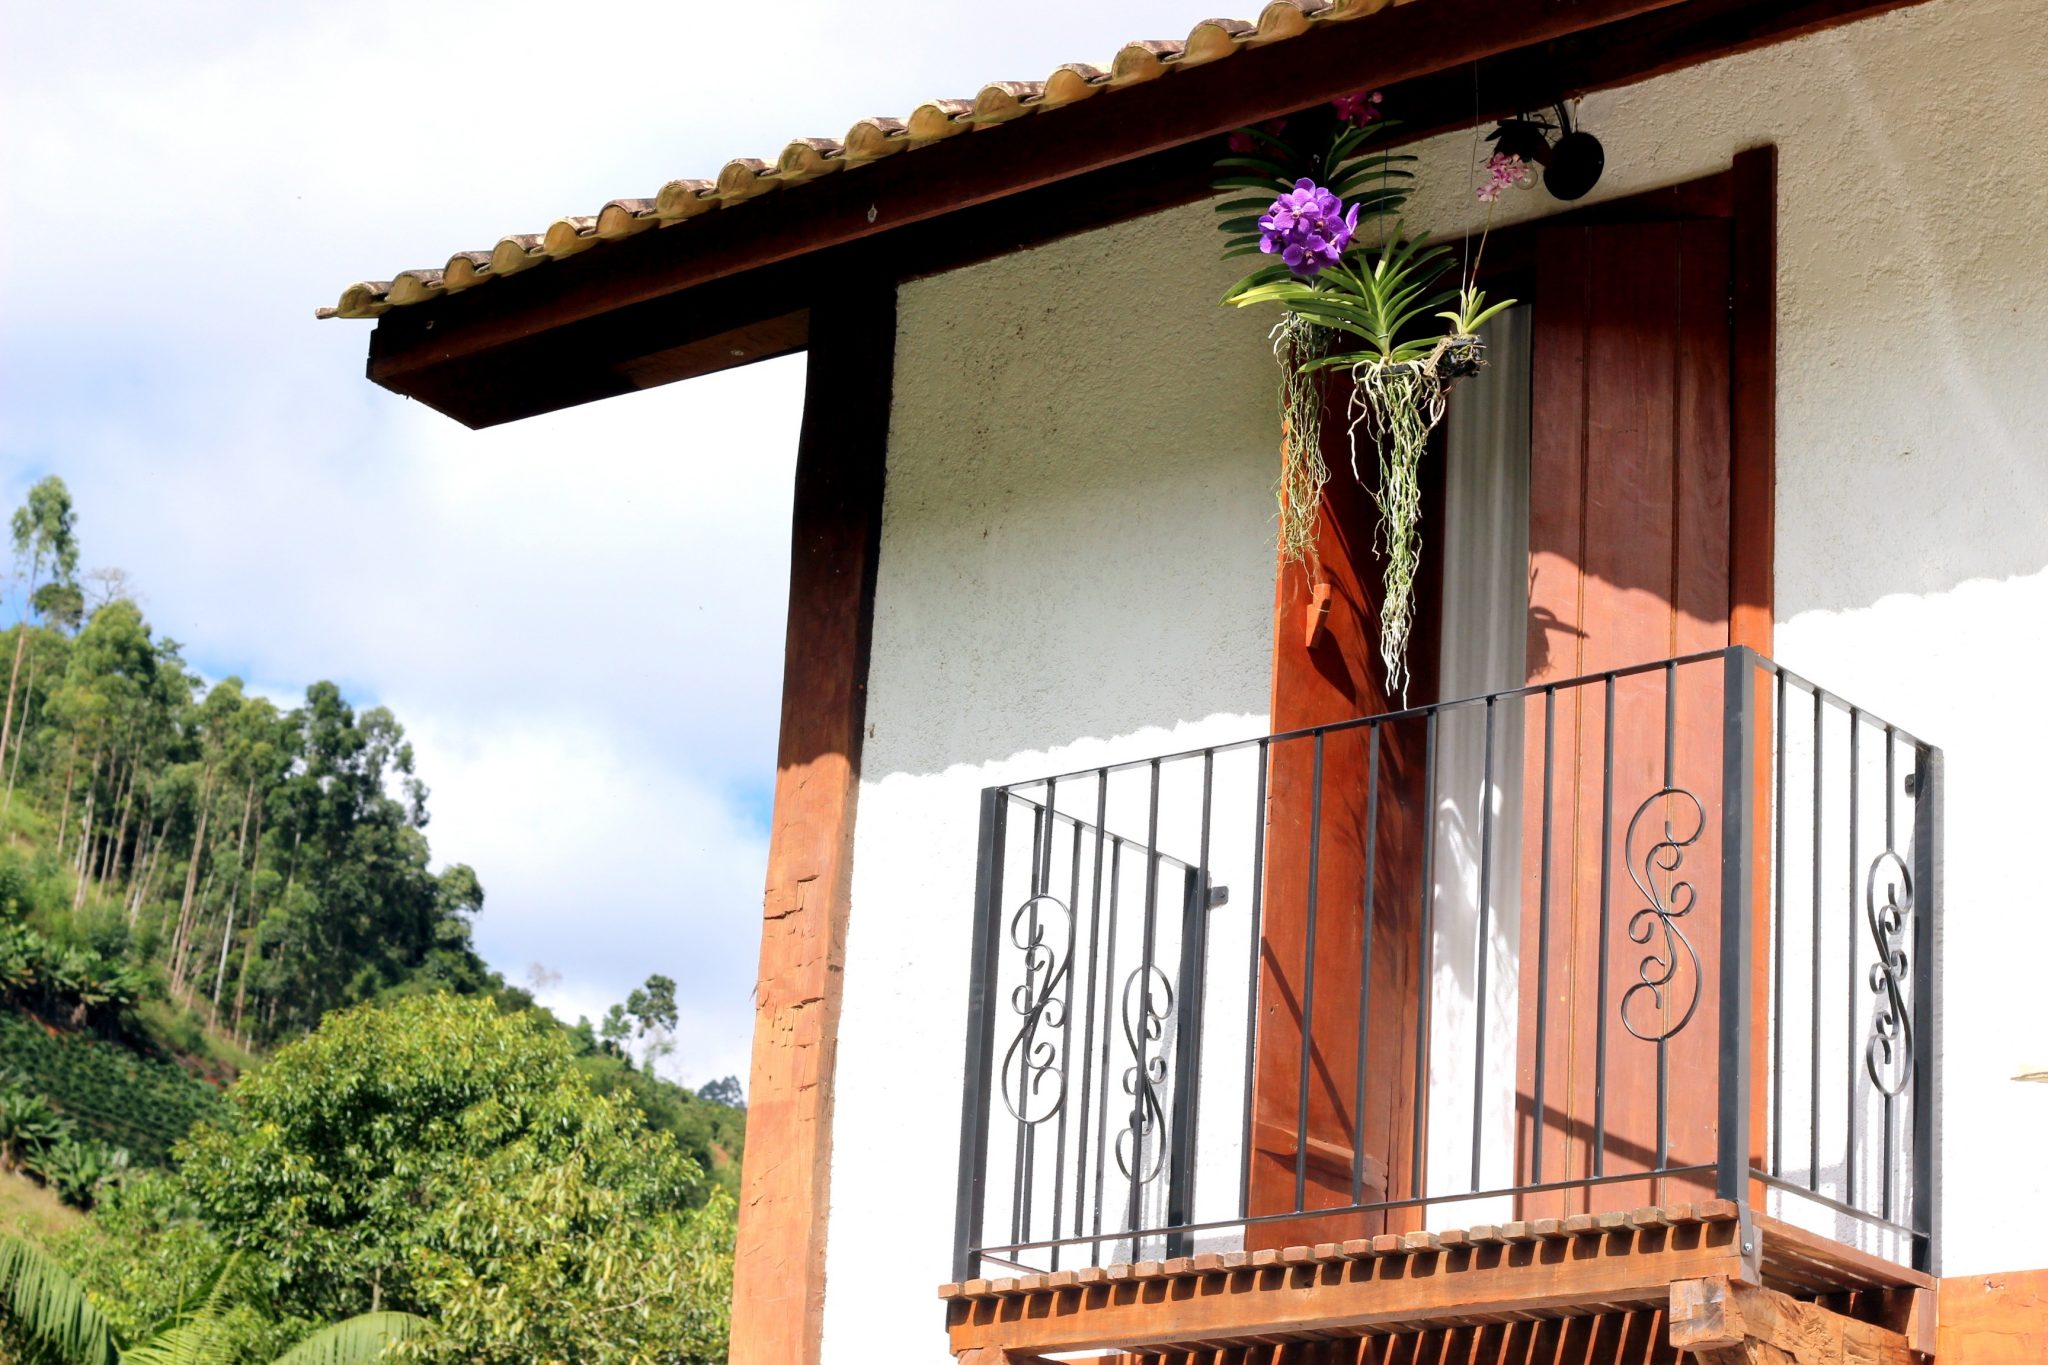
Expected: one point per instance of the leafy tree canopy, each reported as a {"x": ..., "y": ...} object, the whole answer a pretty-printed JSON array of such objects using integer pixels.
[{"x": 436, "y": 1156}]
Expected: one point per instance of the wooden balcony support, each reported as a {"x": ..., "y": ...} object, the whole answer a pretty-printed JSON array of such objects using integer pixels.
[
  {"x": 1709, "y": 1264},
  {"x": 1722, "y": 1323}
]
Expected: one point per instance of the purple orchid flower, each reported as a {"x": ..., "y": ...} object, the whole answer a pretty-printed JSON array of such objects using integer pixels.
[{"x": 1307, "y": 228}]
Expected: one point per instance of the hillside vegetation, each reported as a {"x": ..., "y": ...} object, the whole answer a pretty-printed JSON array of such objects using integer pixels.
[{"x": 200, "y": 892}]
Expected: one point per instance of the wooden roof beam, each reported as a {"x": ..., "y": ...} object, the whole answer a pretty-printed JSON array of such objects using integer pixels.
[{"x": 579, "y": 329}]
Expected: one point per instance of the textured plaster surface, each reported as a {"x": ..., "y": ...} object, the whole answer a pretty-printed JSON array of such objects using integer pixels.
[
  {"x": 1076, "y": 567},
  {"x": 1077, "y": 548}
]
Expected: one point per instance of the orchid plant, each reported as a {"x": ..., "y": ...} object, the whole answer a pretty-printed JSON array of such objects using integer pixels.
[{"x": 1357, "y": 308}]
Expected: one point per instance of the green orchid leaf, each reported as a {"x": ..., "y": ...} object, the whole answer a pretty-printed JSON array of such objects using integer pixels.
[
  {"x": 1273, "y": 141},
  {"x": 1246, "y": 182},
  {"x": 1253, "y": 163}
]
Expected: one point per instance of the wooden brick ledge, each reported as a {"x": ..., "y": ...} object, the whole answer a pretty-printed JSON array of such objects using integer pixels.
[{"x": 1550, "y": 1268}]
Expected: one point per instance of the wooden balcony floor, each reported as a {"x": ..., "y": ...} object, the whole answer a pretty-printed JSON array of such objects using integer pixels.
[{"x": 1492, "y": 1293}]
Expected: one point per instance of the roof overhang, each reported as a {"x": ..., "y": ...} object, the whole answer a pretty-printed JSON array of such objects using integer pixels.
[{"x": 732, "y": 287}]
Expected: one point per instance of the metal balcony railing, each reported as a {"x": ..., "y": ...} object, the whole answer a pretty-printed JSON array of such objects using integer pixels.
[{"x": 1653, "y": 935}]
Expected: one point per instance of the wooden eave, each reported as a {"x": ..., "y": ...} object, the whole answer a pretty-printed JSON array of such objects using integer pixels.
[
  {"x": 1398, "y": 1285},
  {"x": 732, "y": 287}
]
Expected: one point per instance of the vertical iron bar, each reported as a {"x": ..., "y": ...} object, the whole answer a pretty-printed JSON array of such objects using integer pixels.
[
  {"x": 1425, "y": 953},
  {"x": 1194, "y": 959},
  {"x": 1059, "y": 1159},
  {"x": 1543, "y": 936},
  {"x": 1849, "y": 988},
  {"x": 1372, "y": 840},
  {"x": 1738, "y": 832},
  {"x": 1606, "y": 902},
  {"x": 1147, "y": 952},
  {"x": 1778, "y": 1029},
  {"x": 1020, "y": 1188},
  {"x": 1103, "y": 1148},
  {"x": 1891, "y": 843},
  {"x": 1813, "y": 950},
  {"x": 1663, "y": 1024},
  {"x": 981, "y": 1037},
  {"x": 1251, "y": 989},
  {"x": 1928, "y": 821},
  {"x": 1087, "y": 1002},
  {"x": 1308, "y": 987},
  {"x": 1485, "y": 927}
]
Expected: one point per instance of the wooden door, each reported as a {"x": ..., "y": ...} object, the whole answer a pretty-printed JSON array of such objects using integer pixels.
[
  {"x": 1629, "y": 563},
  {"x": 1342, "y": 905}
]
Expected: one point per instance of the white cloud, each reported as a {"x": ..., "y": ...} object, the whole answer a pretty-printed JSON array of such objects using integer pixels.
[
  {"x": 579, "y": 617},
  {"x": 605, "y": 865}
]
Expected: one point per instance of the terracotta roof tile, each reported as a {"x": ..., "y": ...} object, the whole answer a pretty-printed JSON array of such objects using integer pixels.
[{"x": 866, "y": 141}]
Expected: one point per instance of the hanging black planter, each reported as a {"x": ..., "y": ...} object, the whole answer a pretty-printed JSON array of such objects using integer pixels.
[
  {"x": 1572, "y": 164},
  {"x": 1575, "y": 165}
]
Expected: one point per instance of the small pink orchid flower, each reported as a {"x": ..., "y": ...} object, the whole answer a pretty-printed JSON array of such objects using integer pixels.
[
  {"x": 1505, "y": 172},
  {"x": 1360, "y": 108}
]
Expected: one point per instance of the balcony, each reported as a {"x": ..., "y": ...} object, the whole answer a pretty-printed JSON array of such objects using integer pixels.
[{"x": 1524, "y": 1007}]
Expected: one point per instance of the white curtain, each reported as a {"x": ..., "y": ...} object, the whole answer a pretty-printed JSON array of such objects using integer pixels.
[{"x": 1484, "y": 548}]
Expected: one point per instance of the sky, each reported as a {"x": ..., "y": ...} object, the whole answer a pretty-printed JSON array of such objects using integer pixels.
[{"x": 578, "y": 618}]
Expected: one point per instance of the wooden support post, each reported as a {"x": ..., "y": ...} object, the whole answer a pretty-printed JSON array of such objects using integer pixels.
[
  {"x": 1998, "y": 1319},
  {"x": 1723, "y": 1323},
  {"x": 779, "y": 1261}
]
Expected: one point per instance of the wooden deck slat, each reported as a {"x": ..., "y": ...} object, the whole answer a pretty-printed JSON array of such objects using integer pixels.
[
  {"x": 1310, "y": 1299},
  {"x": 1222, "y": 1308},
  {"x": 1845, "y": 1267}
]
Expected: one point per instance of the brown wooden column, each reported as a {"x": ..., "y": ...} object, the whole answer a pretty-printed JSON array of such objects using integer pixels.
[
  {"x": 779, "y": 1270},
  {"x": 1334, "y": 676},
  {"x": 1753, "y": 547}
]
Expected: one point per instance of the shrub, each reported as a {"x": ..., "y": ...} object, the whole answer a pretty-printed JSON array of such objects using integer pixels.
[{"x": 29, "y": 1127}]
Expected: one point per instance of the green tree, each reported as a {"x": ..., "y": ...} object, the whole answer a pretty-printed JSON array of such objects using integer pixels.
[
  {"x": 437, "y": 1156},
  {"x": 48, "y": 1312},
  {"x": 105, "y": 704},
  {"x": 43, "y": 538},
  {"x": 654, "y": 1004},
  {"x": 60, "y": 605},
  {"x": 726, "y": 1091},
  {"x": 616, "y": 1028},
  {"x": 653, "y": 1010}
]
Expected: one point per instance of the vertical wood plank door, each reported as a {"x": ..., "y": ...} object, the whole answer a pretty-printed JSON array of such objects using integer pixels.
[
  {"x": 1335, "y": 1095},
  {"x": 1629, "y": 563}
]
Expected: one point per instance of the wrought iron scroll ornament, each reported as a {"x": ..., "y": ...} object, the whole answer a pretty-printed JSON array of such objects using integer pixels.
[
  {"x": 1034, "y": 1071},
  {"x": 1659, "y": 969},
  {"x": 1147, "y": 1002},
  {"x": 1889, "y": 1054}
]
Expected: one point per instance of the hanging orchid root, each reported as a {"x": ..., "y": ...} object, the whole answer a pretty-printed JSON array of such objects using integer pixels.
[
  {"x": 1398, "y": 405},
  {"x": 1297, "y": 343}
]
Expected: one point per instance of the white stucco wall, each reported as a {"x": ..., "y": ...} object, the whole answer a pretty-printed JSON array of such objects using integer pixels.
[
  {"x": 1076, "y": 569},
  {"x": 1077, "y": 547}
]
